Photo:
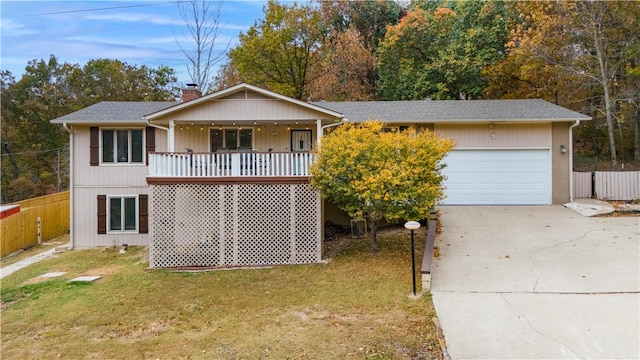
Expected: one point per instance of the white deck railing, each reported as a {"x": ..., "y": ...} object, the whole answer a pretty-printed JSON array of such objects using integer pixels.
[{"x": 229, "y": 164}]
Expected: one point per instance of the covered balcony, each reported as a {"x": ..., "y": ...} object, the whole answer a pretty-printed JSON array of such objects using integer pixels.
[{"x": 243, "y": 134}]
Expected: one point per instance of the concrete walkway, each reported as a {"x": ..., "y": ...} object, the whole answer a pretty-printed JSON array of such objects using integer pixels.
[
  {"x": 10, "y": 269},
  {"x": 538, "y": 282}
]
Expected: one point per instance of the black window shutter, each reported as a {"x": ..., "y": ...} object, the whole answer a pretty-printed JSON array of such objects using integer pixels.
[
  {"x": 94, "y": 146},
  {"x": 150, "y": 140},
  {"x": 102, "y": 214},
  {"x": 143, "y": 214}
]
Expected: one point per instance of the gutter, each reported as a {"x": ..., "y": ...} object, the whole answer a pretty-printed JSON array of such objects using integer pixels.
[
  {"x": 156, "y": 126},
  {"x": 71, "y": 190},
  {"x": 571, "y": 159}
]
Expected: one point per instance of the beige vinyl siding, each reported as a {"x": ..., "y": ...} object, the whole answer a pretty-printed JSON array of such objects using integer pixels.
[
  {"x": 85, "y": 225},
  {"x": 161, "y": 140},
  {"x": 560, "y": 171},
  {"x": 245, "y": 110},
  {"x": 263, "y": 139},
  {"x": 498, "y": 135},
  {"x": 91, "y": 181},
  {"x": 103, "y": 175}
]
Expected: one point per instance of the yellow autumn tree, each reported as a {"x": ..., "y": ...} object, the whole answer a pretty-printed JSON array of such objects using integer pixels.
[{"x": 374, "y": 174}]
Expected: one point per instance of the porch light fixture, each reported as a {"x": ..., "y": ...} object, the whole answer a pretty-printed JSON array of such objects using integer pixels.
[
  {"x": 413, "y": 225},
  {"x": 563, "y": 148}
]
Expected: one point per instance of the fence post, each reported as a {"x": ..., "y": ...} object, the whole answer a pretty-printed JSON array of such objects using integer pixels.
[
  {"x": 593, "y": 184},
  {"x": 39, "y": 222}
]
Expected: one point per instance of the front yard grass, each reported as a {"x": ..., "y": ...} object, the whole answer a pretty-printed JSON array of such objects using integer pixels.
[{"x": 356, "y": 306}]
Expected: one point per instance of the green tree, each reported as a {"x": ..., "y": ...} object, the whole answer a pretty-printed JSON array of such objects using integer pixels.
[
  {"x": 30, "y": 142},
  {"x": 369, "y": 18},
  {"x": 114, "y": 80},
  {"x": 373, "y": 174},
  {"x": 278, "y": 51},
  {"x": 32, "y": 147},
  {"x": 440, "y": 53}
]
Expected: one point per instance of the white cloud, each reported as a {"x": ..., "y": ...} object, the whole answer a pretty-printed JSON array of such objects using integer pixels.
[
  {"x": 10, "y": 27},
  {"x": 134, "y": 18},
  {"x": 76, "y": 32}
]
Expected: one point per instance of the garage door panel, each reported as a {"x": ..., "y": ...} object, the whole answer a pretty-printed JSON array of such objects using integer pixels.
[{"x": 497, "y": 177}]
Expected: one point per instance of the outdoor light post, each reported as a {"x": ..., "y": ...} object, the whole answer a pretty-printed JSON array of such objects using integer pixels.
[{"x": 413, "y": 225}]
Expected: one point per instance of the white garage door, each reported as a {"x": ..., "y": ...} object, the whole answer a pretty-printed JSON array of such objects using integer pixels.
[{"x": 498, "y": 177}]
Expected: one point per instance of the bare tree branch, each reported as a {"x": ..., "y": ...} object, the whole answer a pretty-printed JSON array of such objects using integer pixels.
[{"x": 203, "y": 31}]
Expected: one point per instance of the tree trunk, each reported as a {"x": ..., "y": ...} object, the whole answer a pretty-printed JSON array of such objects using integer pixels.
[
  {"x": 373, "y": 234},
  {"x": 604, "y": 81},
  {"x": 636, "y": 143},
  {"x": 12, "y": 161}
]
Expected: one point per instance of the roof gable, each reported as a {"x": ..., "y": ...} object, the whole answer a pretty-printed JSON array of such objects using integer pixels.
[{"x": 250, "y": 95}]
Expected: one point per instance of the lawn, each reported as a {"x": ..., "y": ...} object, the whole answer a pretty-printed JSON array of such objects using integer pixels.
[{"x": 355, "y": 306}]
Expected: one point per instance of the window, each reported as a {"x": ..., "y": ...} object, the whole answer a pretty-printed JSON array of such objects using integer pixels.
[
  {"x": 301, "y": 140},
  {"x": 123, "y": 146},
  {"x": 231, "y": 138},
  {"x": 394, "y": 128},
  {"x": 122, "y": 213}
]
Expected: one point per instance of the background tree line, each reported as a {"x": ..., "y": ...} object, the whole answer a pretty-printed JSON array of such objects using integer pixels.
[
  {"x": 583, "y": 55},
  {"x": 35, "y": 153}
]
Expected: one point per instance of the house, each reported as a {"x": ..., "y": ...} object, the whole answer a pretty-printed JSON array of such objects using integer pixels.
[
  {"x": 223, "y": 180},
  {"x": 508, "y": 152}
]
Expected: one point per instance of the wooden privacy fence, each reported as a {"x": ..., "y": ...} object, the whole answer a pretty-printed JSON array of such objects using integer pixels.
[
  {"x": 20, "y": 231},
  {"x": 607, "y": 185}
]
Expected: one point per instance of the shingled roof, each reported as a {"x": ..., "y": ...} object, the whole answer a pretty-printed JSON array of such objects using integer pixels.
[
  {"x": 431, "y": 111},
  {"x": 427, "y": 111},
  {"x": 114, "y": 112}
]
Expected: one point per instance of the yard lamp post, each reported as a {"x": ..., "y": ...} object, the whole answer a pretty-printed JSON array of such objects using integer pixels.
[{"x": 413, "y": 225}]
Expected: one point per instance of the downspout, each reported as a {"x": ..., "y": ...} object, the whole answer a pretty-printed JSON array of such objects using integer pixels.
[
  {"x": 71, "y": 190},
  {"x": 169, "y": 130},
  {"x": 571, "y": 159}
]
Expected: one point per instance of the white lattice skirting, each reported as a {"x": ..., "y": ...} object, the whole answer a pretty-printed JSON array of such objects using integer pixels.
[{"x": 231, "y": 225}]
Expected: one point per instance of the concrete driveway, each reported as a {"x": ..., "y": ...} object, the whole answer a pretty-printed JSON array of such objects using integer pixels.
[{"x": 537, "y": 282}]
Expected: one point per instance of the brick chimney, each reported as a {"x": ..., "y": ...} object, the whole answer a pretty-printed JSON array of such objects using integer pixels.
[{"x": 191, "y": 92}]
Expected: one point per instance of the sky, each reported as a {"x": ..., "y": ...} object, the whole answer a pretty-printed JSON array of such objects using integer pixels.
[{"x": 135, "y": 32}]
